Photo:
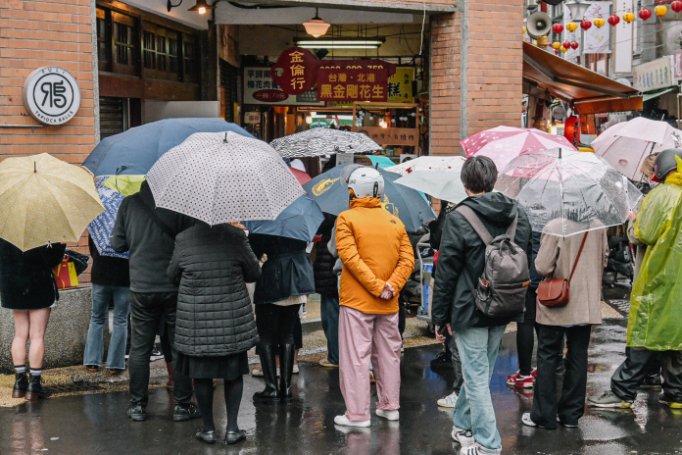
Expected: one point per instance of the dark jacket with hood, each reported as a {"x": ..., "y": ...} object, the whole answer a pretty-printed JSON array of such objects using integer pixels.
[
  {"x": 287, "y": 272},
  {"x": 462, "y": 259},
  {"x": 26, "y": 280},
  {"x": 149, "y": 245},
  {"x": 326, "y": 279},
  {"x": 214, "y": 316}
]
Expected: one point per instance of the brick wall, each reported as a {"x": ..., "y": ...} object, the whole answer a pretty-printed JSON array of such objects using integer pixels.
[
  {"x": 36, "y": 33},
  {"x": 476, "y": 71}
]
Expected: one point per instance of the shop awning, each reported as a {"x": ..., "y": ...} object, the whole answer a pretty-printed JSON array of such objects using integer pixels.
[
  {"x": 588, "y": 92},
  {"x": 649, "y": 96}
]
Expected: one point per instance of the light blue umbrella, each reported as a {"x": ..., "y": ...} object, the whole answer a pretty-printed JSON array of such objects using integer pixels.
[
  {"x": 134, "y": 152},
  {"x": 101, "y": 227},
  {"x": 299, "y": 221}
]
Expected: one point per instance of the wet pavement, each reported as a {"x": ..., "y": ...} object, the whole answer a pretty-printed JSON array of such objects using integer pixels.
[{"x": 96, "y": 424}]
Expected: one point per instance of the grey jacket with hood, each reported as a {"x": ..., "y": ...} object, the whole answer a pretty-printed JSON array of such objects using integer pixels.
[{"x": 462, "y": 258}]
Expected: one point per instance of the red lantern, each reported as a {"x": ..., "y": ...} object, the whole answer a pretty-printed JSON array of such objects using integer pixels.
[
  {"x": 585, "y": 24},
  {"x": 566, "y": 44},
  {"x": 644, "y": 14},
  {"x": 572, "y": 130},
  {"x": 614, "y": 20},
  {"x": 676, "y": 6},
  {"x": 575, "y": 45},
  {"x": 556, "y": 51},
  {"x": 558, "y": 28}
]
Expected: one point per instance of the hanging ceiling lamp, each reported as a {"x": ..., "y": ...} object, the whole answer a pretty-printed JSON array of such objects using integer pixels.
[
  {"x": 201, "y": 7},
  {"x": 316, "y": 27}
]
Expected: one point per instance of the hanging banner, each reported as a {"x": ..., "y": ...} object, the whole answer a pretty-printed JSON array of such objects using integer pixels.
[
  {"x": 597, "y": 40},
  {"x": 400, "y": 85},
  {"x": 654, "y": 75},
  {"x": 353, "y": 80}
]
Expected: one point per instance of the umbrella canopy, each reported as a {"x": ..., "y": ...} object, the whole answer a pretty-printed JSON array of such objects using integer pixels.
[
  {"x": 101, "y": 227},
  {"x": 429, "y": 163},
  {"x": 504, "y": 143},
  {"x": 330, "y": 191},
  {"x": 626, "y": 145},
  {"x": 135, "y": 151},
  {"x": 223, "y": 177},
  {"x": 301, "y": 176},
  {"x": 323, "y": 141},
  {"x": 299, "y": 221},
  {"x": 44, "y": 200},
  {"x": 580, "y": 189}
]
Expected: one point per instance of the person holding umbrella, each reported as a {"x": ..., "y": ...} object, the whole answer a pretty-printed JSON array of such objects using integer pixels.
[
  {"x": 27, "y": 287},
  {"x": 215, "y": 327},
  {"x": 377, "y": 260},
  {"x": 656, "y": 299}
]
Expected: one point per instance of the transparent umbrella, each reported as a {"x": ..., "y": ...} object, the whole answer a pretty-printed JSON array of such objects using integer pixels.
[{"x": 565, "y": 192}]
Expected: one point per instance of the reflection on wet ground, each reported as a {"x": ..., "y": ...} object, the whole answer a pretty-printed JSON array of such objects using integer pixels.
[{"x": 96, "y": 424}]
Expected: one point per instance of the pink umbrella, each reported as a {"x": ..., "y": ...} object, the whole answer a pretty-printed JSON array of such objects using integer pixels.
[
  {"x": 504, "y": 143},
  {"x": 301, "y": 176}
]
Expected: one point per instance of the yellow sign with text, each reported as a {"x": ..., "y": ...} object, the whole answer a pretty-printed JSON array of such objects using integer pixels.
[{"x": 400, "y": 85}]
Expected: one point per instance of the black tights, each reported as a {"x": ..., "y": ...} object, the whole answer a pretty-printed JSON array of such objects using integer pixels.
[{"x": 203, "y": 389}]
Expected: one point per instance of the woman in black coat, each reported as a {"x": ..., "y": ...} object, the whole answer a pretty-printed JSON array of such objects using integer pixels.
[
  {"x": 214, "y": 324},
  {"x": 28, "y": 288},
  {"x": 285, "y": 282}
]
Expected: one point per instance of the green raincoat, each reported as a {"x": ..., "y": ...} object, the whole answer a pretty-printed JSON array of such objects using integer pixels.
[{"x": 656, "y": 301}]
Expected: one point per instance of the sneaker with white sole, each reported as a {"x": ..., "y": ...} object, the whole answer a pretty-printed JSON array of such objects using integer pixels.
[
  {"x": 343, "y": 421},
  {"x": 609, "y": 399},
  {"x": 462, "y": 437},
  {"x": 392, "y": 415},
  {"x": 257, "y": 372},
  {"x": 449, "y": 401},
  {"x": 477, "y": 449}
]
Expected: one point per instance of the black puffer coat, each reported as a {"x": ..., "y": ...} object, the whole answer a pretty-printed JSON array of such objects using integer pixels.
[
  {"x": 26, "y": 280},
  {"x": 287, "y": 272},
  {"x": 214, "y": 316},
  {"x": 326, "y": 280}
]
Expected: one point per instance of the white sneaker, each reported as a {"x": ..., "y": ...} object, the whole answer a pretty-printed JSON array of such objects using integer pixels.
[
  {"x": 476, "y": 449},
  {"x": 392, "y": 415},
  {"x": 449, "y": 401},
  {"x": 342, "y": 420},
  {"x": 463, "y": 437},
  {"x": 257, "y": 372}
]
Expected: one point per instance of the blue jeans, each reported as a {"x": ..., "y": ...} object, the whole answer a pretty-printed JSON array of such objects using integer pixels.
[
  {"x": 478, "y": 348},
  {"x": 94, "y": 344},
  {"x": 330, "y": 325}
]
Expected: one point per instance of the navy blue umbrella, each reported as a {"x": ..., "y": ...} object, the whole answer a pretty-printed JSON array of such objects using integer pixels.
[
  {"x": 134, "y": 152},
  {"x": 298, "y": 221},
  {"x": 330, "y": 191}
]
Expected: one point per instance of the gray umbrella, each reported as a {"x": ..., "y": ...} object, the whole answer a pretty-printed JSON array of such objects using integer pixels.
[
  {"x": 223, "y": 177},
  {"x": 323, "y": 141}
]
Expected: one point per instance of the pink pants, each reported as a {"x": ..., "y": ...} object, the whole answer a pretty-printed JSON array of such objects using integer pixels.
[{"x": 362, "y": 335}]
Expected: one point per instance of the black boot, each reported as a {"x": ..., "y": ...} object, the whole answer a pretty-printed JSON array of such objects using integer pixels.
[
  {"x": 20, "y": 386},
  {"x": 286, "y": 361},
  {"x": 267, "y": 364},
  {"x": 36, "y": 390}
]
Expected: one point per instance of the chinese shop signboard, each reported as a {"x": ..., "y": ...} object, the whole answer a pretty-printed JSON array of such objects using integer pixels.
[
  {"x": 260, "y": 88},
  {"x": 348, "y": 80},
  {"x": 295, "y": 70},
  {"x": 400, "y": 85}
]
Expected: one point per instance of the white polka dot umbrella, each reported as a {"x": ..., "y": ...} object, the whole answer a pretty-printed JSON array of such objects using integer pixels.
[{"x": 223, "y": 177}]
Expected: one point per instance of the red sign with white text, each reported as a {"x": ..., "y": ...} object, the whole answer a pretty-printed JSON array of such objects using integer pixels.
[{"x": 295, "y": 70}]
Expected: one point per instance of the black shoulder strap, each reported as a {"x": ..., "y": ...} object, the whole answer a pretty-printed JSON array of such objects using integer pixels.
[
  {"x": 155, "y": 218},
  {"x": 475, "y": 223}
]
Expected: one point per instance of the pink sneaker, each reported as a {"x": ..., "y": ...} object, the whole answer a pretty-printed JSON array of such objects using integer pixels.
[{"x": 520, "y": 381}]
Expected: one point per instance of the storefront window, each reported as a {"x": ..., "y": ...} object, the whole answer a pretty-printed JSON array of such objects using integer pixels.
[
  {"x": 160, "y": 52},
  {"x": 103, "y": 53},
  {"x": 124, "y": 44}
]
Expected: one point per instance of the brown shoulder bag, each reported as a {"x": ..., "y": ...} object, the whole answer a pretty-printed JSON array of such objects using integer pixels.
[{"x": 554, "y": 292}]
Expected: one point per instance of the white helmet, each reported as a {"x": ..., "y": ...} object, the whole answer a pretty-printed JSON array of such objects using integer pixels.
[{"x": 366, "y": 182}]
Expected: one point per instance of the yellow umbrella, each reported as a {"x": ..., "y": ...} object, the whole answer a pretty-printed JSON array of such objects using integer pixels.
[
  {"x": 127, "y": 185},
  {"x": 45, "y": 200}
]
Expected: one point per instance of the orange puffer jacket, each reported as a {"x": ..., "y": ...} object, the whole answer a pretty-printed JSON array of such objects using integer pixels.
[{"x": 374, "y": 248}]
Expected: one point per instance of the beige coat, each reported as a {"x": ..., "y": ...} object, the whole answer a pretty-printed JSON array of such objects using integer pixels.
[{"x": 555, "y": 258}]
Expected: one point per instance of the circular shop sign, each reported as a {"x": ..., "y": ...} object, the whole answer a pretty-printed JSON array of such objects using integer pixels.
[{"x": 51, "y": 95}]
